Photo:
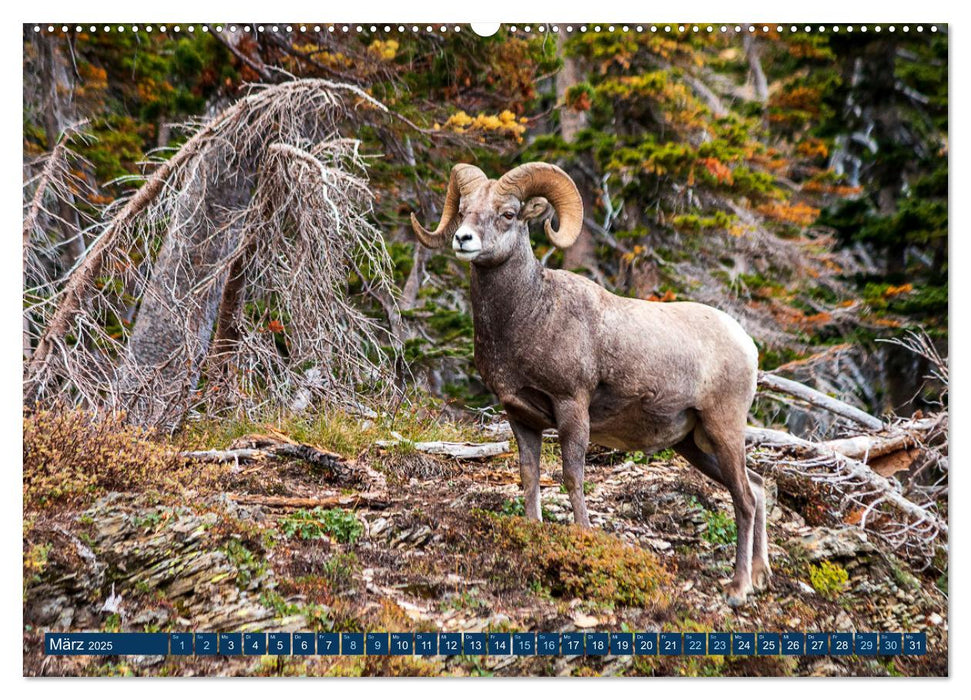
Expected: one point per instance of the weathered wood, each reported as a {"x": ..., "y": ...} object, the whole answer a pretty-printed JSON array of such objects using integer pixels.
[
  {"x": 360, "y": 500},
  {"x": 458, "y": 450},
  {"x": 222, "y": 456},
  {"x": 768, "y": 437},
  {"x": 867, "y": 447},
  {"x": 846, "y": 467},
  {"x": 856, "y": 447},
  {"x": 256, "y": 447},
  {"x": 820, "y": 400}
]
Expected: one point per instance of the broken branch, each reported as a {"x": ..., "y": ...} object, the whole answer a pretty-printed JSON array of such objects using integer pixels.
[
  {"x": 820, "y": 400},
  {"x": 458, "y": 450},
  {"x": 361, "y": 500}
]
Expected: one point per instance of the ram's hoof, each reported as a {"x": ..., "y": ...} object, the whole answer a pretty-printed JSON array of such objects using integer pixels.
[
  {"x": 736, "y": 594},
  {"x": 761, "y": 577}
]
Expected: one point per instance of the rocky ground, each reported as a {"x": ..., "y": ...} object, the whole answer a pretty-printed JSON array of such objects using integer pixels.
[{"x": 422, "y": 543}]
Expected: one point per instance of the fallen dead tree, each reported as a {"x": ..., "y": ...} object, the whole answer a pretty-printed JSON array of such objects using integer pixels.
[
  {"x": 819, "y": 399},
  {"x": 907, "y": 512},
  {"x": 258, "y": 448},
  {"x": 222, "y": 282}
]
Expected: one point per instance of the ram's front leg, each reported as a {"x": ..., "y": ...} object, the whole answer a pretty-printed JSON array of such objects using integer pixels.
[
  {"x": 573, "y": 425},
  {"x": 530, "y": 443}
]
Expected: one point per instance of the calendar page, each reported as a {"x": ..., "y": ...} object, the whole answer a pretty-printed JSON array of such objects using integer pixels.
[{"x": 522, "y": 349}]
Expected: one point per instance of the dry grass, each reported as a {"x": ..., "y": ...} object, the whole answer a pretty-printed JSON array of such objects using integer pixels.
[{"x": 71, "y": 457}]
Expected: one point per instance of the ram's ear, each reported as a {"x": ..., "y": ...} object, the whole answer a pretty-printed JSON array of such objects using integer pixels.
[{"x": 536, "y": 209}]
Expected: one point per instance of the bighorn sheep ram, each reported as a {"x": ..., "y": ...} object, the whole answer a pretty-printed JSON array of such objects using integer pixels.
[{"x": 562, "y": 352}]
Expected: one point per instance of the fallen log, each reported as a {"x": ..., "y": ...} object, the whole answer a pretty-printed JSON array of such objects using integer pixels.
[
  {"x": 254, "y": 448},
  {"x": 352, "y": 501},
  {"x": 867, "y": 447},
  {"x": 842, "y": 468},
  {"x": 859, "y": 447},
  {"x": 820, "y": 400},
  {"x": 458, "y": 450},
  {"x": 237, "y": 456}
]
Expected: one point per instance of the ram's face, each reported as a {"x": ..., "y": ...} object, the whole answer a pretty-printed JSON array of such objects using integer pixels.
[{"x": 492, "y": 224}]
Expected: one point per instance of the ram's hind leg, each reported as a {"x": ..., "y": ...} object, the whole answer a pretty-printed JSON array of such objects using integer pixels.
[
  {"x": 573, "y": 425},
  {"x": 761, "y": 573},
  {"x": 530, "y": 443},
  {"x": 726, "y": 466}
]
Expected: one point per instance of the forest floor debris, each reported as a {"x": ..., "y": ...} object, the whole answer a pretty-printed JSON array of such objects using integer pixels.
[{"x": 282, "y": 545}]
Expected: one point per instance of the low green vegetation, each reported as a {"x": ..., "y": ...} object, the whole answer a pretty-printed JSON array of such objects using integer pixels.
[
  {"x": 249, "y": 565},
  {"x": 719, "y": 525},
  {"x": 318, "y": 523}
]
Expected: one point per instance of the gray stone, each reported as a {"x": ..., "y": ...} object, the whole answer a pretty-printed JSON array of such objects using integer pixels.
[{"x": 828, "y": 543}]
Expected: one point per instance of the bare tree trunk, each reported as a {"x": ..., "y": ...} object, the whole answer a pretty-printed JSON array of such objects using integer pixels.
[
  {"x": 582, "y": 254},
  {"x": 755, "y": 66},
  {"x": 58, "y": 114},
  {"x": 409, "y": 294},
  {"x": 78, "y": 286},
  {"x": 230, "y": 309},
  {"x": 176, "y": 321}
]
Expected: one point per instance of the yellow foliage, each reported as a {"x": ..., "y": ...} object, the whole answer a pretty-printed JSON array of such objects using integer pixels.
[
  {"x": 813, "y": 148},
  {"x": 385, "y": 50},
  {"x": 94, "y": 77},
  {"x": 828, "y": 578},
  {"x": 331, "y": 60},
  {"x": 504, "y": 123}
]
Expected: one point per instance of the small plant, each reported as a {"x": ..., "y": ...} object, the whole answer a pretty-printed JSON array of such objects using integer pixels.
[
  {"x": 829, "y": 579},
  {"x": 339, "y": 569},
  {"x": 638, "y": 457},
  {"x": 571, "y": 562},
  {"x": 147, "y": 521},
  {"x": 513, "y": 507},
  {"x": 248, "y": 565},
  {"x": 315, "y": 524},
  {"x": 35, "y": 562},
  {"x": 721, "y": 527},
  {"x": 516, "y": 507},
  {"x": 112, "y": 623},
  {"x": 467, "y": 600},
  {"x": 278, "y": 604}
]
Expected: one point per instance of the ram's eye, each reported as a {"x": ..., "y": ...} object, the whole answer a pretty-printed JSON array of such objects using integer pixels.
[{"x": 508, "y": 215}]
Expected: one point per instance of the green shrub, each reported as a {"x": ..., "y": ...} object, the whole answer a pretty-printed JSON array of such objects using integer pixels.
[
  {"x": 721, "y": 527},
  {"x": 315, "y": 524}
]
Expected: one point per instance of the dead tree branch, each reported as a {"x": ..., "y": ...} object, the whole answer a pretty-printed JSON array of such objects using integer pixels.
[
  {"x": 820, "y": 400},
  {"x": 264, "y": 209}
]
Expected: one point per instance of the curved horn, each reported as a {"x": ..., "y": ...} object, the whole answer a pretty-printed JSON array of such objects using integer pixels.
[
  {"x": 464, "y": 179},
  {"x": 546, "y": 180}
]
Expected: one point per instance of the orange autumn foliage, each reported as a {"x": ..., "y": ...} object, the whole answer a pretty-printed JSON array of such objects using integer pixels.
[
  {"x": 719, "y": 170},
  {"x": 798, "y": 214}
]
